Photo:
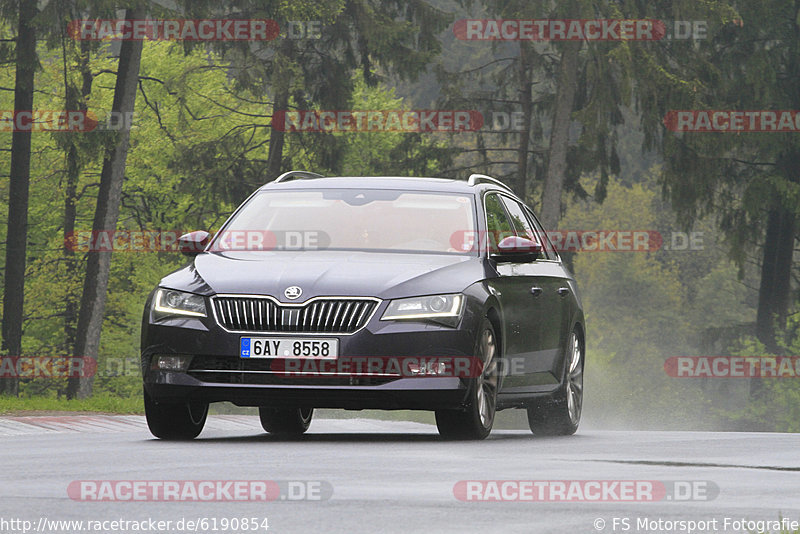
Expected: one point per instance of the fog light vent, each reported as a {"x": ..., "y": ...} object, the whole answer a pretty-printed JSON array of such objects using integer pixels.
[{"x": 170, "y": 362}]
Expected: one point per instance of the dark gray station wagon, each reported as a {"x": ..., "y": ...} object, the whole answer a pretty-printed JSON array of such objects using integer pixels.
[{"x": 368, "y": 293}]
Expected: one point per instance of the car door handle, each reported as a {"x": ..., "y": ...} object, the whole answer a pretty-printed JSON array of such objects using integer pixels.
[
  {"x": 563, "y": 291},
  {"x": 536, "y": 291}
]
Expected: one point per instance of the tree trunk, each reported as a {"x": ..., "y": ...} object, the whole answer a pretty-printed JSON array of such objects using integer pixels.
[
  {"x": 559, "y": 136},
  {"x": 93, "y": 300},
  {"x": 75, "y": 101},
  {"x": 776, "y": 267},
  {"x": 521, "y": 187},
  {"x": 17, "y": 239},
  {"x": 276, "y": 136},
  {"x": 282, "y": 83}
]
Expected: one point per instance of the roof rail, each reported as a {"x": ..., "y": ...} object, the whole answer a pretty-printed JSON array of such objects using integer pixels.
[
  {"x": 475, "y": 179},
  {"x": 297, "y": 175}
]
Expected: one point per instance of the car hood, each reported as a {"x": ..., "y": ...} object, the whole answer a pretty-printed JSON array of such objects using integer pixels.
[{"x": 383, "y": 275}]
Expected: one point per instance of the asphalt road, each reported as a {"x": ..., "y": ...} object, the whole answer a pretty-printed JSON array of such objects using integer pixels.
[{"x": 361, "y": 475}]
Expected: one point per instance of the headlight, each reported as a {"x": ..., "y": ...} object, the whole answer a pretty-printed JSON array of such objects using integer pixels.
[
  {"x": 445, "y": 309},
  {"x": 171, "y": 302}
]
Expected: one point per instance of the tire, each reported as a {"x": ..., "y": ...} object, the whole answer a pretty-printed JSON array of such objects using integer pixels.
[
  {"x": 289, "y": 422},
  {"x": 175, "y": 421},
  {"x": 475, "y": 422},
  {"x": 560, "y": 415}
]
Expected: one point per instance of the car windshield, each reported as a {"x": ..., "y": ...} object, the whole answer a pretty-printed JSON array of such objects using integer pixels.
[{"x": 378, "y": 220}]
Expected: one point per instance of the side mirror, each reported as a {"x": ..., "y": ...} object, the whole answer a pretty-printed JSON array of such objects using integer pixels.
[
  {"x": 515, "y": 249},
  {"x": 193, "y": 243}
]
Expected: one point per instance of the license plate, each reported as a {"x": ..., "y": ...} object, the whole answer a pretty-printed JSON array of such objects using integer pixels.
[{"x": 289, "y": 347}]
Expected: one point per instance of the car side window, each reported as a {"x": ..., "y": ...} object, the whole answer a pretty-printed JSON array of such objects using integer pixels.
[
  {"x": 521, "y": 224},
  {"x": 549, "y": 250},
  {"x": 497, "y": 223},
  {"x": 520, "y": 215}
]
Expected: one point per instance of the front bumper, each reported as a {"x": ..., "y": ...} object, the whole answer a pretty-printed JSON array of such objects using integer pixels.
[
  {"x": 401, "y": 394},
  {"x": 217, "y": 373}
]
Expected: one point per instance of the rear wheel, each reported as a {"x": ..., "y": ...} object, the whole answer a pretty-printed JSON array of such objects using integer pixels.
[
  {"x": 475, "y": 422},
  {"x": 285, "y": 421},
  {"x": 175, "y": 421},
  {"x": 561, "y": 415}
]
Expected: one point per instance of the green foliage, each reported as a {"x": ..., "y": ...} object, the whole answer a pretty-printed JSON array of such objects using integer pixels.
[
  {"x": 200, "y": 145},
  {"x": 644, "y": 307},
  {"x": 198, "y": 148},
  {"x": 775, "y": 402},
  {"x": 389, "y": 153}
]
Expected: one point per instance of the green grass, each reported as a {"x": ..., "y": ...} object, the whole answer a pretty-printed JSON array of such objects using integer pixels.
[{"x": 102, "y": 403}]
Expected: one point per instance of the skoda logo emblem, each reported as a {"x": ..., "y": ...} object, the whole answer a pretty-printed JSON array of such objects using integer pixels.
[{"x": 292, "y": 292}]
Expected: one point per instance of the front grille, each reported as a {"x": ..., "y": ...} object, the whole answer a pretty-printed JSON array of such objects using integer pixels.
[{"x": 262, "y": 314}]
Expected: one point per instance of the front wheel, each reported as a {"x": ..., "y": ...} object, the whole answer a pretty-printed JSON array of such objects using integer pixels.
[
  {"x": 475, "y": 422},
  {"x": 175, "y": 421},
  {"x": 285, "y": 421},
  {"x": 560, "y": 415}
]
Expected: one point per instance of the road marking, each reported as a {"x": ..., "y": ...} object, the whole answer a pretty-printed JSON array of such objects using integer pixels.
[{"x": 238, "y": 424}]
